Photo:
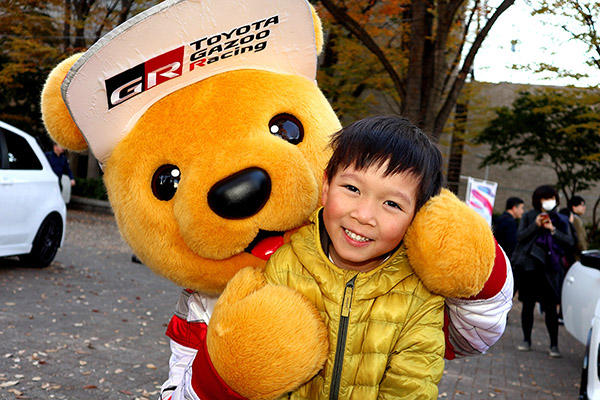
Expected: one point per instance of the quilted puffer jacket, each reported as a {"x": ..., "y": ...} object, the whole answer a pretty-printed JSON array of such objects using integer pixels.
[{"x": 385, "y": 328}]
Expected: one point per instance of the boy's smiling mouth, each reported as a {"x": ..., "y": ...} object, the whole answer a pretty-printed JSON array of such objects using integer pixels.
[{"x": 356, "y": 237}]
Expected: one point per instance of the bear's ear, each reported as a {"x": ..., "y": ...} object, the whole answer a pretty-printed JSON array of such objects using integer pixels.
[
  {"x": 55, "y": 115},
  {"x": 318, "y": 29}
]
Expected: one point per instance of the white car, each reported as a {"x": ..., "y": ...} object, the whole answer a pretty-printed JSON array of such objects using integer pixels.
[
  {"x": 32, "y": 210},
  {"x": 581, "y": 314}
]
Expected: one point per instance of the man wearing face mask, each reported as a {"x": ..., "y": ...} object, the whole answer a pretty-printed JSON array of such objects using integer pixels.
[{"x": 542, "y": 238}]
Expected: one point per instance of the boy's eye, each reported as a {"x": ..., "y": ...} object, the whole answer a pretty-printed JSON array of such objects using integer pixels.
[
  {"x": 165, "y": 181},
  {"x": 351, "y": 188},
  {"x": 393, "y": 204},
  {"x": 287, "y": 127}
]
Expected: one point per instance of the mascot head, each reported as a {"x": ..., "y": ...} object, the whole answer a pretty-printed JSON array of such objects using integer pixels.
[
  {"x": 209, "y": 126},
  {"x": 213, "y": 137}
]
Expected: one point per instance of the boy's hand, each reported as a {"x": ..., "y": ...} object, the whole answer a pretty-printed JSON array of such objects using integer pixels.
[
  {"x": 450, "y": 247},
  {"x": 265, "y": 340}
]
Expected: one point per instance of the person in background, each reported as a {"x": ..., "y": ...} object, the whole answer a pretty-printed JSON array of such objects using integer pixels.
[
  {"x": 505, "y": 227},
  {"x": 577, "y": 207},
  {"x": 59, "y": 163},
  {"x": 541, "y": 239}
]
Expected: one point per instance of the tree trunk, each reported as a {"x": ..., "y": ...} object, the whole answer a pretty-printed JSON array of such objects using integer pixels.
[
  {"x": 342, "y": 17},
  {"x": 411, "y": 103},
  {"x": 456, "y": 147},
  {"x": 67, "y": 27},
  {"x": 594, "y": 217},
  {"x": 467, "y": 65},
  {"x": 82, "y": 11},
  {"x": 125, "y": 8},
  {"x": 422, "y": 91}
]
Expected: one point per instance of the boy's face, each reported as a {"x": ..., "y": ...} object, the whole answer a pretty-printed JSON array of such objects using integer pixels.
[{"x": 366, "y": 214}]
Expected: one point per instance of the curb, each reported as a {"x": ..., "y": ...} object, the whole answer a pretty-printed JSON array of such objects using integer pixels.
[{"x": 86, "y": 204}]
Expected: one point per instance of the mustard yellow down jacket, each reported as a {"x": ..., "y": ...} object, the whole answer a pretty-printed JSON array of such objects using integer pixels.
[{"x": 385, "y": 328}]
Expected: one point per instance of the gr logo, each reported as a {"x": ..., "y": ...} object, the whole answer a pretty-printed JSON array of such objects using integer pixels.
[{"x": 144, "y": 76}]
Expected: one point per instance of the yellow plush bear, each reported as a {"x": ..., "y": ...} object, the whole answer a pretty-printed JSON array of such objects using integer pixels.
[{"x": 213, "y": 135}]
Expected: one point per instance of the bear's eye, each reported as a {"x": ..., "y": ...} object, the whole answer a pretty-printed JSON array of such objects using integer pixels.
[
  {"x": 165, "y": 181},
  {"x": 287, "y": 127}
]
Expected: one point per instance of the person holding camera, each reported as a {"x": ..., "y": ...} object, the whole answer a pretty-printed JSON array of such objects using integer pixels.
[{"x": 542, "y": 238}]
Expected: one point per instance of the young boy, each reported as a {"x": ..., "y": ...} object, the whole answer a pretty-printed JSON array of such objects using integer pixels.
[{"x": 385, "y": 327}]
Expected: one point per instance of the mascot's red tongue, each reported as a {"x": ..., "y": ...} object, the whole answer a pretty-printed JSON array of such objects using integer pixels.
[{"x": 266, "y": 247}]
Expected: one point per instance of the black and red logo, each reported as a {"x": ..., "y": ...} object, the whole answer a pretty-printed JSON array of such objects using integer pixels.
[
  {"x": 144, "y": 76},
  {"x": 248, "y": 38}
]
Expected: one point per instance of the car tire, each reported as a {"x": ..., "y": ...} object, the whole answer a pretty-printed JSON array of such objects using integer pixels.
[{"x": 46, "y": 242}]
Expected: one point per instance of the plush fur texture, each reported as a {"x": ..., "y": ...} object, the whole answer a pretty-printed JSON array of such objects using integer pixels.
[
  {"x": 55, "y": 115},
  {"x": 263, "y": 340},
  {"x": 249, "y": 307},
  {"x": 211, "y": 130},
  {"x": 437, "y": 252},
  {"x": 196, "y": 248}
]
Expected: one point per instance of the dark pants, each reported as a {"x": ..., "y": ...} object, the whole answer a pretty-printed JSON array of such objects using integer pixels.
[
  {"x": 551, "y": 320},
  {"x": 534, "y": 287}
]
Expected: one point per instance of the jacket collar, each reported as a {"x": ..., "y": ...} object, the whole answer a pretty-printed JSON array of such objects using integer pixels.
[{"x": 330, "y": 277}]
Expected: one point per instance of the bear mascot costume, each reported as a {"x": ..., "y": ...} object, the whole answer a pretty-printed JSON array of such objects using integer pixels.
[{"x": 212, "y": 135}]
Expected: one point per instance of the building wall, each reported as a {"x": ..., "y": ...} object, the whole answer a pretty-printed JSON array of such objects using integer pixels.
[{"x": 520, "y": 182}]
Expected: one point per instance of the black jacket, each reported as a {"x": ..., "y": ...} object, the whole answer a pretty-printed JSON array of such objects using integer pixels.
[
  {"x": 505, "y": 231},
  {"x": 527, "y": 251}
]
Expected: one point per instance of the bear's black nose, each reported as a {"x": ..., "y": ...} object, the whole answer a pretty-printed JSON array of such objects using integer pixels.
[{"x": 240, "y": 195}]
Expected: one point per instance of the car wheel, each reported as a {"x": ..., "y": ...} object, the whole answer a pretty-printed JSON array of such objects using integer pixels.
[
  {"x": 585, "y": 370},
  {"x": 46, "y": 242}
]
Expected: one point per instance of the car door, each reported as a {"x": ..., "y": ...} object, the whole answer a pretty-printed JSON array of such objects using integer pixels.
[
  {"x": 20, "y": 176},
  {"x": 580, "y": 296}
]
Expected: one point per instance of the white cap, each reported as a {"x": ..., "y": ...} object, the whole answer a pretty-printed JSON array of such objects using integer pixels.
[{"x": 178, "y": 43}]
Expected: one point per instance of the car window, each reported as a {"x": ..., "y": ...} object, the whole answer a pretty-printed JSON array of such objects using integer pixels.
[{"x": 20, "y": 154}]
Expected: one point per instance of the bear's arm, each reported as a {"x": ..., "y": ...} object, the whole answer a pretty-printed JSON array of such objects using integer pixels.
[{"x": 473, "y": 325}]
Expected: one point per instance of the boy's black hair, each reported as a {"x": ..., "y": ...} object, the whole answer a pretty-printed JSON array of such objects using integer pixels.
[
  {"x": 513, "y": 201},
  {"x": 575, "y": 201},
  {"x": 543, "y": 192},
  {"x": 375, "y": 140}
]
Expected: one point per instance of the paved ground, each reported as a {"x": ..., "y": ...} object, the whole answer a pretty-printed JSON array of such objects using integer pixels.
[
  {"x": 507, "y": 374},
  {"x": 91, "y": 326}
]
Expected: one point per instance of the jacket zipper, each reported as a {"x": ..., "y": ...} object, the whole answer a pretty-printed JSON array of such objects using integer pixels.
[{"x": 341, "y": 340}]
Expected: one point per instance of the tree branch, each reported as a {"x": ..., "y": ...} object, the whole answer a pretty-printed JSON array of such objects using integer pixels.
[
  {"x": 109, "y": 11},
  {"x": 463, "y": 40},
  {"x": 369, "y": 6},
  {"x": 361, "y": 34},
  {"x": 125, "y": 8},
  {"x": 459, "y": 81},
  {"x": 594, "y": 39}
]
